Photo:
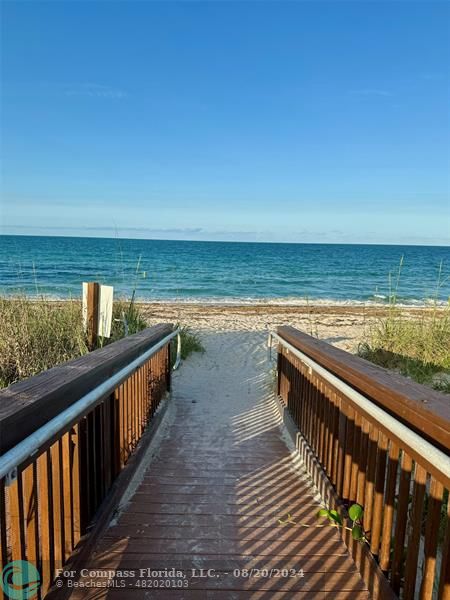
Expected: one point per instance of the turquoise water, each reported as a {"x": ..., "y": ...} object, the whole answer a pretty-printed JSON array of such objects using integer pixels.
[{"x": 221, "y": 271}]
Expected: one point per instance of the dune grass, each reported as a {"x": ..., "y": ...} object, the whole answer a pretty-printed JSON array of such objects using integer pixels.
[
  {"x": 417, "y": 346},
  {"x": 36, "y": 335},
  {"x": 190, "y": 342},
  {"x": 127, "y": 319}
]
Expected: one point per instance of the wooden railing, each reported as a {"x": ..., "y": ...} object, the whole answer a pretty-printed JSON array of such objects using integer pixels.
[
  {"x": 374, "y": 438},
  {"x": 49, "y": 499}
]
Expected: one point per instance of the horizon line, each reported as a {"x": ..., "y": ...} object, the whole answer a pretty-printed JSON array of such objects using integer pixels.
[{"x": 104, "y": 237}]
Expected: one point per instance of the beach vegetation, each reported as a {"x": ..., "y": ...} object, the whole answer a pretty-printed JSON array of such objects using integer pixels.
[
  {"x": 355, "y": 513},
  {"x": 190, "y": 343},
  {"x": 335, "y": 519},
  {"x": 415, "y": 345},
  {"x": 127, "y": 319},
  {"x": 37, "y": 335}
]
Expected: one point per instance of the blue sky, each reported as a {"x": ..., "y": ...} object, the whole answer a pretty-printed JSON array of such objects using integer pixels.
[{"x": 296, "y": 121}]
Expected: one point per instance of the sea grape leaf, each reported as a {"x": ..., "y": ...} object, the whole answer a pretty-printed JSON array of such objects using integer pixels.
[
  {"x": 355, "y": 512},
  {"x": 335, "y": 516}
]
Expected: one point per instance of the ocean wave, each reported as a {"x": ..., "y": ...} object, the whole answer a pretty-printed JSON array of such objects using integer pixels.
[
  {"x": 377, "y": 300},
  {"x": 290, "y": 301}
]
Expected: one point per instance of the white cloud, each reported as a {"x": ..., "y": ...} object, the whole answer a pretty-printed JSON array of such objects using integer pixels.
[
  {"x": 95, "y": 90},
  {"x": 371, "y": 92}
]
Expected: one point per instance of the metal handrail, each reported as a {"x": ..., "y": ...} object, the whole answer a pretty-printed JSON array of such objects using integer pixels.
[
  {"x": 34, "y": 442},
  {"x": 178, "y": 357},
  {"x": 439, "y": 459}
]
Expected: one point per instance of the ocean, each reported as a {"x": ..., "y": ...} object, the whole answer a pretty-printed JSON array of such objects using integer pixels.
[{"x": 224, "y": 272}]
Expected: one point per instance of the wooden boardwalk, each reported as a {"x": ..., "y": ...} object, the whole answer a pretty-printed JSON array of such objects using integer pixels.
[{"x": 216, "y": 483}]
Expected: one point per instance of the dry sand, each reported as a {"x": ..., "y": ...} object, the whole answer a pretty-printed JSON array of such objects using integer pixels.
[{"x": 342, "y": 326}]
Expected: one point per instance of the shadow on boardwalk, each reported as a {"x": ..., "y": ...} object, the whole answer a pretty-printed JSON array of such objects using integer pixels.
[{"x": 210, "y": 498}]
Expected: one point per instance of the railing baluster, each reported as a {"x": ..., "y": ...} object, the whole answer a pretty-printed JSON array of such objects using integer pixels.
[
  {"x": 100, "y": 450},
  {"x": 141, "y": 401},
  {"x": 3, "y": 527},
  {"x": 306, "y": 409},
  {"x": 135, "y": 407},
  {"x": 431, "y": 538},
  {"x": 107, "y": 427},
  {"x": 85, "y": 498},
  {"x": 120, "y": 429},
  {"x": 377, "y": 515},
  {"x": 335, "y": 434},
  {"x": 45, "y": 501},
  {"x": 370, "y": 478},
  {"x": 398, "y": 558},
  {"x": 328, "y": 433},
  {"x": 361, "y": 484},
  {"x": 142, "y": 409},
  {"x": 146, "y": 394},
  {"x": 130, "y": 416},
  {"x": 296, "y": 390},
  {"x": 341, "y": 446},
  {"x": 16, "y": 510},
  {"x": 355, "y": 458},
  {"x": 58, "y": 505},
  {"x": 388, "y": 516},
  {"x": 305, "y": 405},
  {"x": 349, "y": 435},
  {"x": 4, "y": 559},
  {"x": 301, "y": 418},
  {"x": 67, "y": 496},
  {"x": 313, "y": 407},
  {"x": 74, "y": 437},
  {"x": 93, "y": 465},
  {"x": 317, "y": 417},
  {"x": 444, "y": 579},
  {"x": 420, "y": 479},
  {"x": 324, "y": 426},
  {"x": 30, "y": 507}
]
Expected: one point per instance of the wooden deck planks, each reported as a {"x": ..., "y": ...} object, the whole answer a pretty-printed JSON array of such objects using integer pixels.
[{"x": 212, "y": 499}]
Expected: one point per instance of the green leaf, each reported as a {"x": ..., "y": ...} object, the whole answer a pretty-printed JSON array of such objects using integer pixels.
[
  {"x": 357, "y": 532},
  {"x": 323, "y": 512},
  {"x": 355, "y": 512},
  {"x": 333, "y": 515}
]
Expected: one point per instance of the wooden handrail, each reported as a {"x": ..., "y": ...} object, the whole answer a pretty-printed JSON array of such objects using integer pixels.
[
  {"x": 27, "y": 405},
  {"x": 356, "y": 453},
  {"x": 55, "y": 492},
  {"x": 424, "y": 410}
]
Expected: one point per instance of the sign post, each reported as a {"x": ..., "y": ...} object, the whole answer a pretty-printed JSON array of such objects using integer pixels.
[
  {"x": 97, "y": 311},
  {"x": 91, "y": 320}
]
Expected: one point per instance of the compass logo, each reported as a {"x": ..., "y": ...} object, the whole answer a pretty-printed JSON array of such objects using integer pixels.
[{"x": 20, "y": 580}]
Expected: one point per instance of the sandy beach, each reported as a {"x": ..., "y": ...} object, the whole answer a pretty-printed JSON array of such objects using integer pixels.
[{"x": 342, "y": 326}]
